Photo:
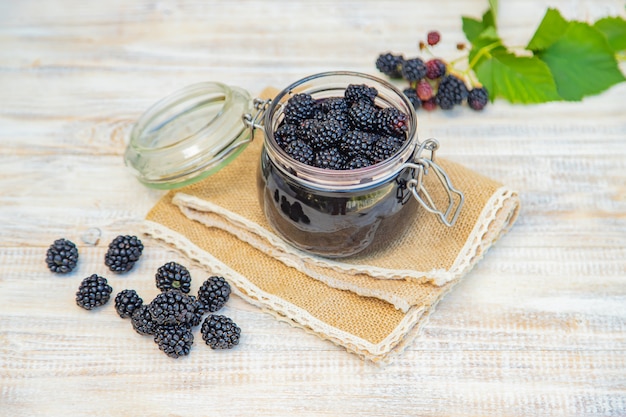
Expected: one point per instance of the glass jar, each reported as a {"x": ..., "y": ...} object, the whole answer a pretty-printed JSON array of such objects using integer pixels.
[{"x": 332, "y": 213}]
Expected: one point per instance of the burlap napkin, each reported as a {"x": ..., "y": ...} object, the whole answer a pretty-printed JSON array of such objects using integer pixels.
[{"x": 374, "y": 303}]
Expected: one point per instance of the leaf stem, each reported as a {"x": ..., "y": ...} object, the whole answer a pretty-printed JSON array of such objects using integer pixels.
[{"x": 484, "y": 51}]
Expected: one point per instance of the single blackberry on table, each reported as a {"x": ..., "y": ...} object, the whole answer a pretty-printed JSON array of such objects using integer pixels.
[
  {"x": 142, "y": 321},
  {"x": 220, "y": 332},
  {"x": 452, "y": 91},
  {"x": 299, "y": 107},
  {"x": 300, "y": 151},
  {"x": 392, "y": 121},
  {"x": 285, "y": 134},
  {"x": 174, "y": 341},
  {"x": 411, "y": 94},
  {"x": 330, "y": 158},
  {"x": 357, "y": 162},
  {"x": 435, "y": 68},
  {"x": 173, "y": 275},
  {"x": 477, "y": 98},
  {"x": 94, "y": 291},
  {"x": 363, "y": 115},
  {"x": 384, "y": 148},
  {"x": 213, "y": 293},
  {"x": 123, "y": 252},
  {"x": 172, "y": 307},
  {"x": 433, "y": 37},
  {"x": 357, "y": 143},
  {"x": 413, "y": 69},
  {"x": 325, "y": 134},
  {"x": 390, "y": 64},
  {"x": 62, "y": 256},
  {"x": 126, "y": 302},
  {"x": 358, "y": 92}
]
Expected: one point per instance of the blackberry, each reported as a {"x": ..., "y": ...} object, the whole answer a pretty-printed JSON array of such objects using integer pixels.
[
  {"x": 299, "y": 107},
  {"x": 303, "y": 131},
  {"x": 126, "y": 302},
  {"x": 173, "y": 275},
  {"x": 357, "y": 143},
  {"x": 172, "y": 307},
  {"x": 363, "y": 115},
  {"x": 330, "y": 158},
  {"x": 220, "y": 332},
  {"x": 392, "y": 121},
  {"x": 413, "y": 69},
  {"x": 213, "y": 294},
  {"x": 358, "y": 162},
  {"x": 341, "y": 117},
  {"x": 390, "y": 65},
  {"x": 334, "y": 104},
  {"x": 424, "y": 90},
  {"x": 435, "y": 68},
  {"x": 62, "y": 256},
  {"x": 384, "y": 148},
  {"x": 325, "y": 134},
  {"x": 94, "y": 291},
  {"x": 433, "y": 37},
  {"x": 452, "y": 91},
  {"x": 477, "y": 98},
  {"x": 358, "y": 92},
  {"x": 123, "y": 252},
  {"x": 174, "y": 341},
  {"x": 300, "y": 151},
  {"x": 411, "y": 94},
  {"x": 285, "y": 134},
  {"x": 198, "y": 312},
  {"x": 430, "y": 104},
  {"x": 142, "y": 321}
]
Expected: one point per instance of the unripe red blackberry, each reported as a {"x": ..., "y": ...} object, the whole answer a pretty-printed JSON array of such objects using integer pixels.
[{"x": 433, "y": 37}]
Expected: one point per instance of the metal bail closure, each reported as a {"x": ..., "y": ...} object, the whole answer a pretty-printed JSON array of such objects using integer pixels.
[
  {"x": 424, "y": 166},
  {"x": 254, "y": 121}
]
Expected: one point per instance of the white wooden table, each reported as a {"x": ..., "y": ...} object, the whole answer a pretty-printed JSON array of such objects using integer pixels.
[{"x": 538, "y": 328}]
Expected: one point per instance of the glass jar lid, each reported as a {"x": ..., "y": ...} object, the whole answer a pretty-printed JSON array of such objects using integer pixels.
[{"x": 189, "y": 135}]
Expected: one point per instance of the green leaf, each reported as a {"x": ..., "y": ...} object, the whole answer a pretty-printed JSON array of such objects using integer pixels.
[
  {"x": 549, "y": 31},
  {"x": 472, "y": 28},
  {"x": 518, "y": 79},
  {"x": 614, "y": 28},
  {"x": 489, "y": 18},
  {"x": 582, "y": 62},
  {"x": 493, "y": 5}
]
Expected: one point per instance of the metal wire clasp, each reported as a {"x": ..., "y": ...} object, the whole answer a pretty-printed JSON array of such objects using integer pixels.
[
  {"x": 423, "y": 166},
  {"x": 253, "y": 121}
]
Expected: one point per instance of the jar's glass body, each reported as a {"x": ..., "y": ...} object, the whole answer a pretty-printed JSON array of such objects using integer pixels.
[{"x": 336, "y": 213}]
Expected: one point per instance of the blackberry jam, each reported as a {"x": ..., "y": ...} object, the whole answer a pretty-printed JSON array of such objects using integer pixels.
[{"x": 336, "y": 213}]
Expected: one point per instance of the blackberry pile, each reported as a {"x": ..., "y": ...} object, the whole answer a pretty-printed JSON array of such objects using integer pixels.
[
  {"x": 342, "y": 133},
  {"x": 432, "y": 83},
  {"x": 173, "y": 314}
]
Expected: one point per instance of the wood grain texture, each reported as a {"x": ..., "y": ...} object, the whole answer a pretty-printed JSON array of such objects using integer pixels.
[{"x": 538, "y": 328}]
